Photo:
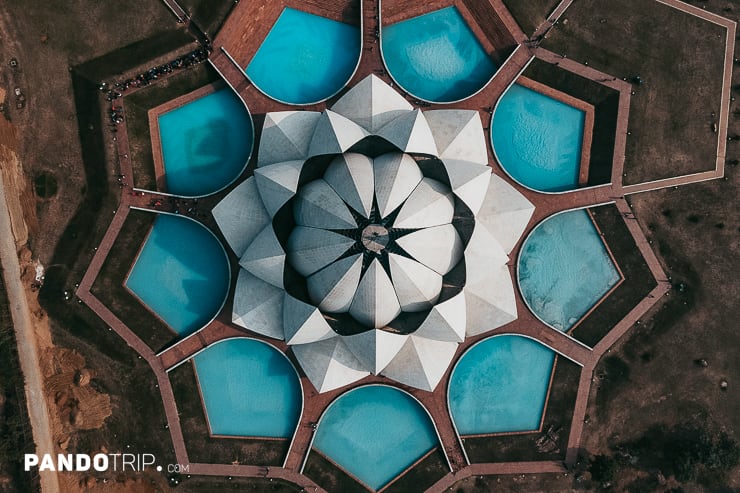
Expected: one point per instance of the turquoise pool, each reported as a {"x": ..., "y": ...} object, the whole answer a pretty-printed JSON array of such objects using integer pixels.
[
  {"x": 205, "y": 143},
  {"x": 500, "y": 385},
  {"x": 565, "y": 269},
  {"x": 305, "y": 58},
  {"x": 249, "y": 389},
  {"x": 181, "y": 274},
  {"x": 538, "y": 139},
  {"x": 436, "y": 56},
  {"x": 375, "y": 432}
]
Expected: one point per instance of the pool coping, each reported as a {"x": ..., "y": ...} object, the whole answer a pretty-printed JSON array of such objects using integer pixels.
[
  {"x": 155, "y": 137},
  {"x": 344, "y": 470},
  {"x": 613, "y": 258},
  {"x": 361, "y": 30},
  {"x": 136, "y": 296},
  {"x": 472, "y": 24},
  {"x": 586, "y": 139},
  {"x": 289, "y": 439},
  {"x": 588, "y": 120},
  {"x": 440, "y": 443},
  {"x": 462, "y": 437},
  {"x": 178, "y": 336},
  {"x": 600, "y": 300}
]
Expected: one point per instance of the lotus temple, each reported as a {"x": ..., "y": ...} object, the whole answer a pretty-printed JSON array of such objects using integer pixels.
[{"x": 378, "y": 228}]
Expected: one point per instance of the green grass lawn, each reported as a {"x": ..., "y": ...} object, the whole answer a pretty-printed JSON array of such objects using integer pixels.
[{"x": 680, "y": 59}]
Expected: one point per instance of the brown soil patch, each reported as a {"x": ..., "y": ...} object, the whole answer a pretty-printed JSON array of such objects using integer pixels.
[
  {"x": 77, "y": 405},
  {"x": 73, "y": 401},
  {"x": 18, "y": 193}
]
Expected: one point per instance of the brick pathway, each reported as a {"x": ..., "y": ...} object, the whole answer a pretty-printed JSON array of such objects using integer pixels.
[{"x": 233, "y": 37}]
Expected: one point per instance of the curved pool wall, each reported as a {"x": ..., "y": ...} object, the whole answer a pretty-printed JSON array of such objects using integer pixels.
[
  {"x": 375, "y": 432},
  {"x": 436, "y": 57},
  {"x": 500, "y": 385},
  {"x": 182, "y": 273},
  {"x": 249, "y": 389},
  {"x": 565, "y": 269},
  {"x": 206, "y": 143},
  {"x": 305, "y": 58},
  {"x": 538, "y": 140}
]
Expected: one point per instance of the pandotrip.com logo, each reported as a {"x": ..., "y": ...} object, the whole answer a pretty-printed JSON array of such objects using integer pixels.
[{"x": 118, "y": 462}]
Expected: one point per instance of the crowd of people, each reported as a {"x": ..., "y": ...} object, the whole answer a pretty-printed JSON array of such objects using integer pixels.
[
  {"x": 116, "y": 115},
  {"x": 177, "y": 205},
  {"x": 115, "y": 91}
]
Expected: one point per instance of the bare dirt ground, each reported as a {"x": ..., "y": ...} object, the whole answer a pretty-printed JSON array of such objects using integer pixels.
[
  {"x": 55, "y": 377},
  {"x": 45, "y": 48},
  {"x": 27, "y": 343}
]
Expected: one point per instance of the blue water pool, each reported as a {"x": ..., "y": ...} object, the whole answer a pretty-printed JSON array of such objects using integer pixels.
[
  {"x": 249, "y": 389},
  {"x": 181, "y": 274},
  {"x": 565, "y": 269},
  {"x": 205, "y": 143},
  {"x": 500, "y": 385},
  {"x": 375, "y": 433},
  {"x": 538, "y": 139},
  {"x": 305, "y": 58},
  {"x": 436, "y": 56}
]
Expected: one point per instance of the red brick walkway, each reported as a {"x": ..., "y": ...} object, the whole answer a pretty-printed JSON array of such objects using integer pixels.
[{"x": 527, "y": 324}]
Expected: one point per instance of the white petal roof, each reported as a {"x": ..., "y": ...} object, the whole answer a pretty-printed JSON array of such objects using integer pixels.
[
  {"x": 258, "y": 306},
  {"x": 469, "y": 181},
  {"x": 421, "y": 362},
  {"x": 375, "y": 303},
  {"x": 505, "y": 212},
  {"x": 317, "y": 205},
  {"x": 286, "y": 136},
  {"x": 371, "y": 104},
  {"x": 482, "y": 252},
  {"x": 241, "y": 216},
  {"x": 446, "y": 321},
  {"x": 410, "y": 133},
  {"x": 265, "y": 257},
  {"x": 351, "y": 176},
  {"x": 333, "y": 287},
  {"x": 489, "y": 292},
  {"x": 417, "y": 286},
  {"x": 458, "y": 134},
  {"x": 439, "y": 248},
  {"x": 396, "y": 176},
  {"x": 375, "y": 348},
  {"x": 277, "y": 183},
  {"x": 334, "y": 134},
  {"x": 351, "y": 185},
  {"x": 329, "y": 364},
  {"x": 304, "y": 323},
  {"x": 312, "y": 249},
  {"x": 430, "y": 204},
  {"x": 490, "y": 302}
]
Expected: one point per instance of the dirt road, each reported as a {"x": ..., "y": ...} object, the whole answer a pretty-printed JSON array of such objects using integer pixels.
[{"x": 27, "y": 347}]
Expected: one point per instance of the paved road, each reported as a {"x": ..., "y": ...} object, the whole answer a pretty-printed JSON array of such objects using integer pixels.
[{"x": 27, "y": 348}]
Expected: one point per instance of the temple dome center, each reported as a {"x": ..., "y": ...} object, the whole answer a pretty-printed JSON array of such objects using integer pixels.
[{"x": 374, "y": 238}]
